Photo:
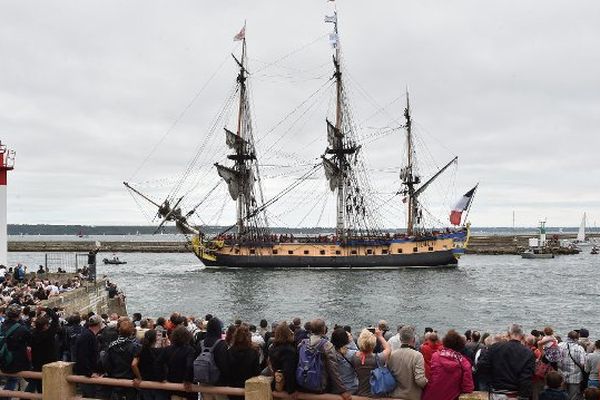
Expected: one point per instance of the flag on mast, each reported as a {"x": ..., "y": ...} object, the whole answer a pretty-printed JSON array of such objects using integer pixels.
[
  {"x": 333, "y": 40},
  {"x": 331, "y": 18},
  {"x": 241, "y": 35},
  {"x": 461, "y": 205}
]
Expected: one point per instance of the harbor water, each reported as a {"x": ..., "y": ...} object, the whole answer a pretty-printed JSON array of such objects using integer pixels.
[{"x": 484, "y": 292}]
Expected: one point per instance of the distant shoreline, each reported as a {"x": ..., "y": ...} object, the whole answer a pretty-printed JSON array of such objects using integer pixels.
[{"x": 97, "y": 230}]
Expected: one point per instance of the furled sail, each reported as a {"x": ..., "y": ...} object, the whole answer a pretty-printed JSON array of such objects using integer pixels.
[
  {"x": 334, "y": 136},
  {"x": 332, "y": 172},
  {"x": 235, "y": 142},
  {"x": 237, "y": 183},
  {"x": 232, "y": 178}
]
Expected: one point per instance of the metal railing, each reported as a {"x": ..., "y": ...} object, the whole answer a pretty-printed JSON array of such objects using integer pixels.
[
  {"x": 18, "y": 394},
  {"x": 59, "y": 384}
]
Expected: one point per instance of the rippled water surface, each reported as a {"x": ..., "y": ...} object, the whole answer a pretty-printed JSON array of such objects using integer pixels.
[{"x": 484, "y": 292}]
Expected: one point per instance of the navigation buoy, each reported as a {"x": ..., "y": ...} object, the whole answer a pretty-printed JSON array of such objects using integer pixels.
[{"x": 7, "y": 163}]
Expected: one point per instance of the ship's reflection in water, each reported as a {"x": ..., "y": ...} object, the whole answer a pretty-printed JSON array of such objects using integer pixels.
[{"x": 484, "y": 292}]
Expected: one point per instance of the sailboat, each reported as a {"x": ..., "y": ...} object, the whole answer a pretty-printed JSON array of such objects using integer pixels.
[
  {"x": 357, "y": 241},
  {"x": 581, "y": 240}
]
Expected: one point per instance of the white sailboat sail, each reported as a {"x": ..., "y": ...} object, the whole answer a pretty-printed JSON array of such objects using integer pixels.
[{"x": 581, "y": 232}]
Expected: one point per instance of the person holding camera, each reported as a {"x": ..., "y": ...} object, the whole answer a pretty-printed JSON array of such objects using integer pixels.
[{"x": 365, "y": 360}]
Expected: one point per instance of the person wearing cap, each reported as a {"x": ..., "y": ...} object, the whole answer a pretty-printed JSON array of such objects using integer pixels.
[
  {"x": 584, "y": 340},
  {"x": 18, "y": 337},
  {"x": 86, "y": 353}
]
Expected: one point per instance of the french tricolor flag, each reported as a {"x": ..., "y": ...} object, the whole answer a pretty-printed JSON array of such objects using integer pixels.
[{"x": 461, "y": 205}]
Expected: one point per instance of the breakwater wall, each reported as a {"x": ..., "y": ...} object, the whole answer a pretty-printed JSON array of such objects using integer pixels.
[
  {"x": 90, "y": 296},
  {"x": 478, "y": 244},
  {"x": 82, "y": 246}
]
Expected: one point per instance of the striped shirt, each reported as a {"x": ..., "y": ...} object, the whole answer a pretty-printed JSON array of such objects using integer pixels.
[{"x": 573, "y": 357}]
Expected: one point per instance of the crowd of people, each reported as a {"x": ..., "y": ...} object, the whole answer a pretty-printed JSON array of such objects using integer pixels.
[
  {"x": 300, "y": 357},
  {"x": 17, "y": 286},
  {"x": 325, "y": 238}
]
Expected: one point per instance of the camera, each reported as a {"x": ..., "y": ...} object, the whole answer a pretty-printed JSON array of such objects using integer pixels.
[{"x": 371, "y": 329}]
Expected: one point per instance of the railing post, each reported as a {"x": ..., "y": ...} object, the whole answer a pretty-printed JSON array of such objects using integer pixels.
[
  {"x": 258, "y": 388},
  {"x": 54, "y": 381}
]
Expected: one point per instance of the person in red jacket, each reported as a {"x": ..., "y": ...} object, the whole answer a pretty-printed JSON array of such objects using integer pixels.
[
  {"x": 450, "y": 370},
  {"x": 432, "y": 344}
]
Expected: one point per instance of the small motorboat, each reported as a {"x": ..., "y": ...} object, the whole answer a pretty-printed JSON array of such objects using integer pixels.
[
  {"x": 537, "y": 253},
  {"x": 113, "y": 261},
  {"x": 594, "y": 250}
]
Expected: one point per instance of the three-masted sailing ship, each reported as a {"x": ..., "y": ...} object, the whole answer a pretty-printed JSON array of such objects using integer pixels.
[{"x": 357, "y": 243}]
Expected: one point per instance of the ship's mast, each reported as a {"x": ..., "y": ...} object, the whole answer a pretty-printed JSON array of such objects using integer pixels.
[
  {"x": 409, "y": 179},
  {"x": 341, "y": 151},
  {"x": 240, "y": 177},
  {"x": 340, "y": 225},
  {"x": 240, "y": 164}
]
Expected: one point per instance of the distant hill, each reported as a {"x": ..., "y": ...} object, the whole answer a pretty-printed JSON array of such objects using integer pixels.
[{"x": 44, "y": 229}]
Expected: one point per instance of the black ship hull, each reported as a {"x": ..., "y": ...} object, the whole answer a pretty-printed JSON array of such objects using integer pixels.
[{"x": 437, "y": 259}]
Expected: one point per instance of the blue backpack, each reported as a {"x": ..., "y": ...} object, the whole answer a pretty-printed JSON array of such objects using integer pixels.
[
  {"x": 382, "y": 381},
  {"x": 309, "y": 372}
]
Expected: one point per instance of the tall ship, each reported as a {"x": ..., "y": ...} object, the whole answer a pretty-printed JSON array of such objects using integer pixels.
[{"x": 359, "y": 241}]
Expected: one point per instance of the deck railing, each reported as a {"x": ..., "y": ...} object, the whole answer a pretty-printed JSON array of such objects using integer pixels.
[{"x": 59, "y": 383}]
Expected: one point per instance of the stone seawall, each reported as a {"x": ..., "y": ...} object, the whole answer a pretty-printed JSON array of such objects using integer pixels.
[
  {"x": 478, "y": 244},
  {"x": 107, "y": 247},
  {"x": 91, "y": 296}
]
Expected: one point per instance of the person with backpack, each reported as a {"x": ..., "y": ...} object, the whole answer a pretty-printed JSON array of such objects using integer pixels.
[
  {"x": 283, "y": 360},
  {"x": 210, "y": 365},
  {"x": 14, "y": 340},
  {"x": 572, "y": 365},
  {"x": 317, "y": 370},
  {"x": 366, "y": 360}
]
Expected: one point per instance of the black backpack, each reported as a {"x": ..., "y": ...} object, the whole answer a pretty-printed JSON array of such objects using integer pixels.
[
  {"x": 6, "y": 356},
  {"x": 72, "y": 334}
]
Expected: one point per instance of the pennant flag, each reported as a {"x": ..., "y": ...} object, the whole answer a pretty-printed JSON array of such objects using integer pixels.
[
  {"x": 333, "y": 40},
  {"x": 331, "y": 18},
  {"x": 241, "y": 34},
  {"x": 461, "y": 205}
]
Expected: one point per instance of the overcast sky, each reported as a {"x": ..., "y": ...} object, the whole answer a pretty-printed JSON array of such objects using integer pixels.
[{"x": 89, "y": 88}]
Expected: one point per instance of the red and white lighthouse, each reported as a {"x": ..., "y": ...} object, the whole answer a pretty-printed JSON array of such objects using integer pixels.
[{"x": 7, "y": 163}]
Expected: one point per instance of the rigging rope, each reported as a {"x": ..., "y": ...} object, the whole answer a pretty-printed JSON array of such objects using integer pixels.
[{"x": 180, "y": 117}]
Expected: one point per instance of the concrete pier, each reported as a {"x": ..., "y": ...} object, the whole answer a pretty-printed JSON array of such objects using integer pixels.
[
  {"x": 90, "y": 296},
  {"x": 478, "y": 244}
]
